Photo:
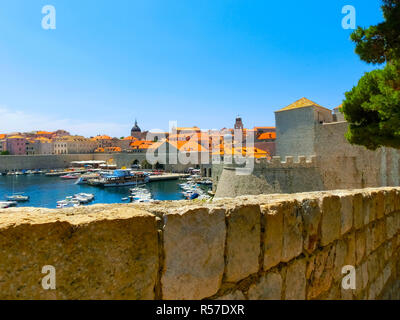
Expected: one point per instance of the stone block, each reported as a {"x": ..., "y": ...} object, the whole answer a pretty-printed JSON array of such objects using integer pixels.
[
  {"x": 243, "y": 242},
  {"x": 331, "y": 219},
  {"x": 319, "y": 272},
  {"x": 391, "y": 229},
  {"x": 378, "y": 234},
  {"x": 373, "y": 266},
  {"x": 112, "y": 254},
  {"x": 360, "y": 246},
  {"x": 346, "y": 204},
  {"x": 365, "y": 276},
  {"x": 269, "y": 287},
  {"x": 379, "y": 197},
  {"x": 389, "y": 203},
  {"x": 296, "y": 280},
  {"x": 358, "y": 214},
  {"x": 368, "y": 211},
  {"x": 311, "y": 213},
  {"x": 273, "y": 235},
  {"x": 194, "y": 241},
  {"x": 292, "y": 230}
]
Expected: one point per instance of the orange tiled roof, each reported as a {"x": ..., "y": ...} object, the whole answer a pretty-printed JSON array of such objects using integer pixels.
[
  {"x": 138, "y": 143},
  {"x": 44, "y": 132},
  {"x": 104, "y": 137},
  {"x": 130, "y": 138},
  {"x": 301, "y": 103},
  {"x": 43, "y": 139},
  {"x": 16, "y": 137},
  {"x": 188, "y": 146},
  {"x": 255, "y": 128},
  {"x": 267, "y": 135},
  {"x": 2, "y": 136}
]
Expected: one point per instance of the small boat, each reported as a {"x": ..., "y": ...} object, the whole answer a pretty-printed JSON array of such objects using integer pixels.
[
  {"x": 84, "y": 197},
  {"x": 125, "y": 199},
  {"x": 18, "y": 197},
  {"x": 7, "y": 204},
  {"x": 70, "y": 176}
]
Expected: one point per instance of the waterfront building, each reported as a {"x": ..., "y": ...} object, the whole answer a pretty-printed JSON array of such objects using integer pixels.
[
  {"x": 39, "y": 146},
  {"x": 16, "y": 145},
  {"x": 73, "y": 145},
  {"x": 3, "y": 145}
]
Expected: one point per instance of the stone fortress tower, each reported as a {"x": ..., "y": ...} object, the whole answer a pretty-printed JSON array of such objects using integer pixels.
[{"x": 312, "y": 155}]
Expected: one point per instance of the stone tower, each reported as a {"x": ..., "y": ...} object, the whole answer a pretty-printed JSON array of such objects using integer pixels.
[{"x": 238, "y": 123}]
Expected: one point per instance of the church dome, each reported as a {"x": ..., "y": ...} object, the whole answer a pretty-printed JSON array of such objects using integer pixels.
[{"x": 136, "y": 128}]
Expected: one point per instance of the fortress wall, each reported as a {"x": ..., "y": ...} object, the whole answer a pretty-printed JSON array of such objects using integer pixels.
[
  {"x": 293, "y": 174},
  {"x": 343, "y": 165},
  {"x": 252, "y": 247},
  {"x": 64, "y": 160},
  {"x": 40, "y": 161}
]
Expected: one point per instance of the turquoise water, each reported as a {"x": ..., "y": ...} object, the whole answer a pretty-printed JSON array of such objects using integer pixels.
[{"x": 46, "y": 191}]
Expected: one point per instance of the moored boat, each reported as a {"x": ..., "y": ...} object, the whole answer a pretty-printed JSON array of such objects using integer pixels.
[
  {"x": 18, "y": 197},
  {"x": 121, "y": 178}
]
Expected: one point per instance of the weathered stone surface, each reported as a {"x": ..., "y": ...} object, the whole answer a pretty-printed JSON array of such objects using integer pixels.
[
  {"x": 110, "y": 255},
  {"x": 268, "y": 288},
  {"x": 360, "y": 246},
  {"x": 320, "y": 272},
  {"x": 368, "y": 208},
  {"x": 273, "y": 235},
  {"x": 346, "y": 204},
  {"x": 331, "y": 219},
  {"x": 311, "y": 213},
  {"x": 378, "y": 234},
  {"x": 236, "y": 295},
  {"x": 379, "y": 197},
  {"x": 391, "y": 228},
  {"x": 243, "y": 242},
  {"x": 292, "y": 231},
  {"x": 340, "y": 259},
  {"x": 373, "y": 266},
  {"x": 389, "y": 202},
  {"x": 295, "y": 283},
  {"x": 358, "y": 215},
  {"x": 194, "y": 242}
]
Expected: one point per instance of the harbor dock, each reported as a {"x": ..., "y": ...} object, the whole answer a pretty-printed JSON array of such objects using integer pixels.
[{"x": 168, "y": 176}]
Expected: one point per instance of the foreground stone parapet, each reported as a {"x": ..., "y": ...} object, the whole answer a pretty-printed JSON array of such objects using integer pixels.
[
  {"x": 110, "y": 255},
  {"x": 243, "y": 242},
  {"x": 194, "y": 242},
  {"x": 280, "y": 246}
]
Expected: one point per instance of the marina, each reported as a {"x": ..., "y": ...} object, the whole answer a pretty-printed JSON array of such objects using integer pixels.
[{"x": 57, "y": 191}]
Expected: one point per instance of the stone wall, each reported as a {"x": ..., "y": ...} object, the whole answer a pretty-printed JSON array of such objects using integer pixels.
[
  {"x": 29, "y": 162},
  {"x": 255, "y": 247},
  {"x": 336, "y": 164}
]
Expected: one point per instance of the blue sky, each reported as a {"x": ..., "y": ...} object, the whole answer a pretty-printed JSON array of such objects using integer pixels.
[{"x": 199, "y": 62}]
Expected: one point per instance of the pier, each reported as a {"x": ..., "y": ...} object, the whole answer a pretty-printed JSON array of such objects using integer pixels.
[{"x": 168, "y": 176}]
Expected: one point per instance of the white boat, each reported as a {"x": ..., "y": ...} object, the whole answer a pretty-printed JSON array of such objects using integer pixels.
[
  {"x": 84, "y": 197},
  {"x": 18, "y": 197},
  {"x": 7, "y": 204}
]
